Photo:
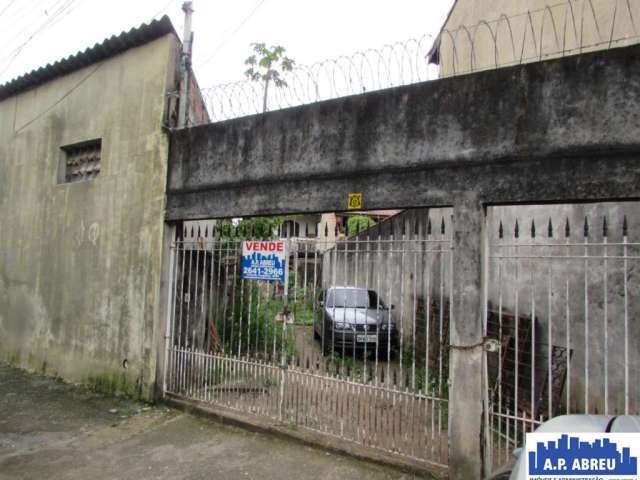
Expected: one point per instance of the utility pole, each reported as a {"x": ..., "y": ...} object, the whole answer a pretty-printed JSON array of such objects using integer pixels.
[{"x": 185, "y": 66}]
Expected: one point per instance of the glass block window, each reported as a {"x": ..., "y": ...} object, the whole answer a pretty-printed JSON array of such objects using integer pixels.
[{"x": 82, "y": 161}]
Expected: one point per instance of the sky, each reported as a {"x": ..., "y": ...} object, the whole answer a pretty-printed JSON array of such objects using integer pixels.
[{"x": 36, "y": 32}]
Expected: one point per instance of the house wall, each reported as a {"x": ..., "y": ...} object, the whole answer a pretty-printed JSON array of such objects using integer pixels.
[
  {"x": 483, "y": 34},
  {"x": 80, "y": 263}
]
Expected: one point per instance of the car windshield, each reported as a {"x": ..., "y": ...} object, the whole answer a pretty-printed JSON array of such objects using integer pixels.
[{"x": 352, "y": 298}]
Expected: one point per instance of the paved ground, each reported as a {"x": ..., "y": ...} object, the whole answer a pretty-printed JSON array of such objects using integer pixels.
[{"x": 56, "y": 431}]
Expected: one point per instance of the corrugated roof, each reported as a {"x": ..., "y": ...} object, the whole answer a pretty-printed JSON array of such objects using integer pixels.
[{"x": 110, "y": 47}]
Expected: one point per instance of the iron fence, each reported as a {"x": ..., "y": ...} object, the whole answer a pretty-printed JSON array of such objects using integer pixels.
[
  {"x": 353, "y": 343},
  {"x": 559, "y": 305}
]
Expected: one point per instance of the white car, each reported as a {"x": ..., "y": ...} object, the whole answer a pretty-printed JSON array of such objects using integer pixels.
[{"x": 570, "y": 424}]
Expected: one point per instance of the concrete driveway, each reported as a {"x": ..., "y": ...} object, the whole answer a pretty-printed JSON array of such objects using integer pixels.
[{"x": 51, "y": 430}]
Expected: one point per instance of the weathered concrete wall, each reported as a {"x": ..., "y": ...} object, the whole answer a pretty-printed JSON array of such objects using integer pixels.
[
  {"x": 556, "y": 130},
  {"x": 80, "y": 263}
]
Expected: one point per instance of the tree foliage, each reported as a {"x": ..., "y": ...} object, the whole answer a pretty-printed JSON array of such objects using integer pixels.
[
  {"x": 358, "y": 223},
  {"x": 266, "y": 65},
  {"x": 261, "y": 228}
]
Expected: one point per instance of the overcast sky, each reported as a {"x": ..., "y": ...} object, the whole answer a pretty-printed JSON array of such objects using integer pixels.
[{"x": 36, "y": 32}]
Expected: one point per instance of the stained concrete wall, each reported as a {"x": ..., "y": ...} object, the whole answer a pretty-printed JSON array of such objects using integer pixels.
[
  {"x": 548, "y": 131},
  {"x": 80, "y": 263},
  {"x": 480, "y": 34}
]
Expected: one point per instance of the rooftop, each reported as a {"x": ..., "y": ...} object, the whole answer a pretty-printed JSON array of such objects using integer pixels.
[{"x": 110, "y": 47}]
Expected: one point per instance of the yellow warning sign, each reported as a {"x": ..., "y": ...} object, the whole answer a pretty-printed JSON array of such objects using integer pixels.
[{"x": 354, "y": 201}]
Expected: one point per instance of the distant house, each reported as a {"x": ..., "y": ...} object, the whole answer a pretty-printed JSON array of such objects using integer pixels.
[{"x": 483, "y": 34}]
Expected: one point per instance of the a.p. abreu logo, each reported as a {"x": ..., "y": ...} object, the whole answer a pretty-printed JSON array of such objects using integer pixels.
[{"x": 611, "y": 456}]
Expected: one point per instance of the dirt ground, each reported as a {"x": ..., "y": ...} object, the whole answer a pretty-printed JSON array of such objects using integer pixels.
[{"x": 52, "y": 430}]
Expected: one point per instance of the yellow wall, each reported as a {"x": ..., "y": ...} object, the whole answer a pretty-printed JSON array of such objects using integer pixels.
[{"x": 481, "y": 34}]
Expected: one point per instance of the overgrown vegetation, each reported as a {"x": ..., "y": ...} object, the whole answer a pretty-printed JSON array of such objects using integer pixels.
[
  {"x": 258, "y": 228},
  {"x": 358, "y": 223},
  {"x": 258, "y": 326}
]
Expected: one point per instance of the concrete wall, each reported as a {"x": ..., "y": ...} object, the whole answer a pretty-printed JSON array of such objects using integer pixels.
[
  {"x": 481, "y": 34},
  {"x": 526, "y": 133},
  {"x": 80, "y": 263}
]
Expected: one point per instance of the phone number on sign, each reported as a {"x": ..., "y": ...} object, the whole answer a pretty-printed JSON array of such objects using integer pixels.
[{"x": 264, "y": 272}]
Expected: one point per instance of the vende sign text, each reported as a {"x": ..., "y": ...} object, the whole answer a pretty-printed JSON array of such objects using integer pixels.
[{"x": 263, "y": 260}]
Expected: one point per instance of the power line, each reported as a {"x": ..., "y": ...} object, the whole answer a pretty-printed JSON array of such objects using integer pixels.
[
  {"x": 164, "y": 9},
  {"x": 11, "y": 2},
  {"x": 37, "y": 21},
  {"x": 69, "y": 92},
  {"x": 232, "y": 34},
  {"x": 23, "y": 19},
  {"x": 19, "y": 12},
  {"x": 62, "y": 12}
]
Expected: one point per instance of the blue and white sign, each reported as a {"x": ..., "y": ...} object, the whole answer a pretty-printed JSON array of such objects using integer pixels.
[
  {"x": 582, "y": 456},
  {"x": 264, "y": 260}
]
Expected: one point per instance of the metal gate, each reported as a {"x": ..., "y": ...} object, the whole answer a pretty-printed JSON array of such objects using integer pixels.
[
  {"x": 561, "y": 303},
  {"x": 354, "y": 344}
]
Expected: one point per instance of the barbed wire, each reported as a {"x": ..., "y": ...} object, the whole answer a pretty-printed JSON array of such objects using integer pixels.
[
  {"x": 566, "y": 28},
  {"x": 373, "y": 69}
]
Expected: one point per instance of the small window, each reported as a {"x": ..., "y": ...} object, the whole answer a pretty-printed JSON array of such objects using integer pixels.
[{"x": 81, "y": 161}]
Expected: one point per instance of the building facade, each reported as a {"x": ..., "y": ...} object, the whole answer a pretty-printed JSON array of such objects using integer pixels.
[
  {"x": 83, "y": 161},
  {"x": 481, "y": 35}
]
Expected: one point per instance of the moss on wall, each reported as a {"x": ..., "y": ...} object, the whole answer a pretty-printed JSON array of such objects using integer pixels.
[{"x": 80, "y": 263}]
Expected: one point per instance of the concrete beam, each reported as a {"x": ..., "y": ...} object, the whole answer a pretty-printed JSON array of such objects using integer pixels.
[
  {"x": 559, "y": 130},
  {"x": 589, "y": 177}
]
